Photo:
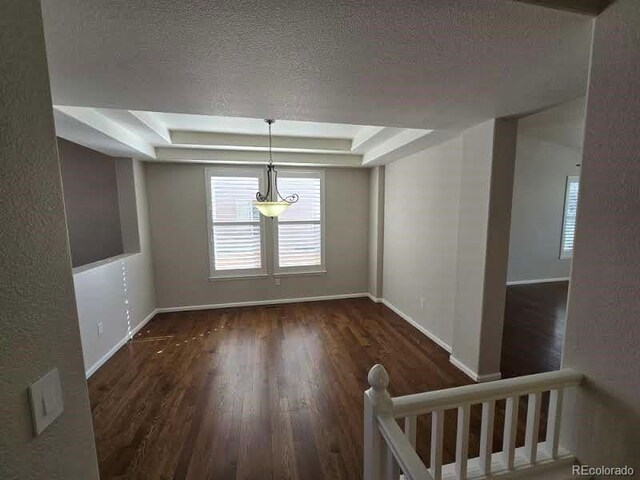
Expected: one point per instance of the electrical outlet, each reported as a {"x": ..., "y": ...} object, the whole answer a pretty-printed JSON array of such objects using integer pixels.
[
  {"x": 422, "y": 302},
  {"x": 100, "y": 328},
  {"x": 277, "y": 282}
]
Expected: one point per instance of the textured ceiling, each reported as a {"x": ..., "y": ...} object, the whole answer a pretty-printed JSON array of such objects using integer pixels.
[{"x": 438, "y": 64}]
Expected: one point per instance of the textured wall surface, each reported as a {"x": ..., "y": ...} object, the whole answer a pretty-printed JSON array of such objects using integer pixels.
[
  {"x": 177, "y": 209},
  {"x": 420, "y": 235},
  {"x": 91, "y": 203},
  {"x": 119, "y": 292},
  {"x": 38, "y": 315},
  {"x": 603, "y": 331},
  {"x": 549, "y": 148}
]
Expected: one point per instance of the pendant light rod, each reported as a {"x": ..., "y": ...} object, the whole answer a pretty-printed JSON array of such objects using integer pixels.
[{"x": 270, "y": 121}]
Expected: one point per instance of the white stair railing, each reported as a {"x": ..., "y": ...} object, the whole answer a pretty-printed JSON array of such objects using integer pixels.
[{"x": 388, "y": 451}]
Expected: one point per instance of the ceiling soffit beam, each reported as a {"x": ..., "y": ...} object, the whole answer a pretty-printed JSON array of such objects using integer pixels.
[
  {"x": 107, "y": 127},
  {"x": 371, "y": 137},
  {"x": 143, "y": 124},
  {"x": 259, "y": 142},
  {"x": 587, "y": 7},
  {"x": 404, "y": 143},
  {"x": 206, "y": 155},
  {"x": 153, "y": 123}
]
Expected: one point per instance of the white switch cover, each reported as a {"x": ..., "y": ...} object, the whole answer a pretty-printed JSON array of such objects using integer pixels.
[
  {"x": 45, "y": 396},
  {"x": 100, "y": 328}
]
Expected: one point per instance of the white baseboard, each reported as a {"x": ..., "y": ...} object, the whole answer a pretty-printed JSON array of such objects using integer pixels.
[
  {"x": 257, "y": 303},
  {"x": 538, "y": 280},
  {"x": 422, "y": 329},
  {"x": 374, "y": 299},
  {"x": 454, "y": 361},
  {"x": 93, "y": 368},
  {"x": 489, "y": 377}
]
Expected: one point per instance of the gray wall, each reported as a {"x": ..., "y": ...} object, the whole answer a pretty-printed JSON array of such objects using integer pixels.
[
  {"x": 38, "y": 315},
  {"x": 177, "y": 208},
  {"x": 483, "y": 242},
  {"x": 420, "y": 234},
  {"x": 549, "y": 147},
  {"x": 376, "y": 230},
  {"x": 471, "y": 242},
  {"x": 91, "y": 202},
  {"x": 118, "y": 292},
  {"x": 603, "y": 330},
  {"x": 497, "y": 254},
  {"x": 446, "y": 235}
]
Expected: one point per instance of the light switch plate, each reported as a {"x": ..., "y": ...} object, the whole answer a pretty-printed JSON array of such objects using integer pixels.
[{"x": 45, "y": 397}]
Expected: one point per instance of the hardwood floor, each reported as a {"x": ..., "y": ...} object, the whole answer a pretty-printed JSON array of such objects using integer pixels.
[
  {"x": 262, "y": 392},
  {"x": 533, "y": 328}
]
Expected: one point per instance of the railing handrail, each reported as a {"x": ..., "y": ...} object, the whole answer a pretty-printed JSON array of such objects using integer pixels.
[
  {"x": 387, "y": 450},
  {"x": 402, "y": 450},
  {"x": 420, "y": 403}
]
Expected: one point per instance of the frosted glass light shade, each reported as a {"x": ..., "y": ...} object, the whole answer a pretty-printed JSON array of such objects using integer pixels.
[{"x": 271, "y": 209}]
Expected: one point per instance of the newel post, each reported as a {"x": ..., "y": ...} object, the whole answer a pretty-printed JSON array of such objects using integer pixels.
[{"x": 376, "y": 401}]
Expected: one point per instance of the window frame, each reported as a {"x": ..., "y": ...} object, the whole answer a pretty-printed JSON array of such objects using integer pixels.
[
  {"x": 239, "y": 273},
  {"x": 564, "y": 255},
  {"x": 310, "y": 269}
]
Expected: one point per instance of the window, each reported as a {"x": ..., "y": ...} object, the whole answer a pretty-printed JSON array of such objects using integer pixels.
[
  {"x": 236, "y": 229},
  {"x": 299, "y": 232},
  {"x": 569, "y": 222}
]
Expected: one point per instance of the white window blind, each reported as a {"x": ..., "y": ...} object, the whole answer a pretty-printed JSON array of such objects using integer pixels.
[
  {"x": 569, "y": 221},
  {"x": 299, "y": 232},
  {"x": 235, "y": 227}
]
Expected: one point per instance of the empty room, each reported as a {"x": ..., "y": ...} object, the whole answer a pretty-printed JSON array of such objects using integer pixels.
[{"x": 319, "y": 240}]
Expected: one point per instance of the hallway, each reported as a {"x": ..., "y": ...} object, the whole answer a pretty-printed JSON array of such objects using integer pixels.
[{"x": 534, "y": 326}]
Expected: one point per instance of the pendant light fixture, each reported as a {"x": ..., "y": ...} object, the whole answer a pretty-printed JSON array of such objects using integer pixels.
[{"x": 272, "y": 204}]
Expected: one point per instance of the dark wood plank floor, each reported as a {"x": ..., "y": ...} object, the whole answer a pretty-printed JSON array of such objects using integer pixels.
[
  {"x": 262, "y": 392},
  {"x": 534, "y": 325}
]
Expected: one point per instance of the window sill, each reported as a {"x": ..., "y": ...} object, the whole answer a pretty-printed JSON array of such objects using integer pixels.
[
  {"x": 239, "y": 277},
  {"x": 291, "y": 274},
  {"x": 267, "y": 275}
]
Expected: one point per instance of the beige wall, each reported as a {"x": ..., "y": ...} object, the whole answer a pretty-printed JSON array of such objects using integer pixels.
[
  {"x": 603, "y": 327},
  {"x": 420, "y": 234},
  {"x": 38, "y": 315},
  {"x": 549, "y": 148},
  {"x": 376, "y": 230},
  {"x": 177, "y": 206}
]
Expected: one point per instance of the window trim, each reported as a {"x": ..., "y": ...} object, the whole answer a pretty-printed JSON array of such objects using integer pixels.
[
  {"x": 563, "y": 254},
  {"x": 238, "y": 273},
  {"x": 311, "y": 269}
]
